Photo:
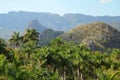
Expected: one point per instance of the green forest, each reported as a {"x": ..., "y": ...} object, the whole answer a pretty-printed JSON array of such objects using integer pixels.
[{"x": 21, "y": 58}]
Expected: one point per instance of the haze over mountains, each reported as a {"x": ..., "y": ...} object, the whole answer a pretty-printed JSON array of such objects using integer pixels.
[
  {"x": 34, "y": 24},
  {"x": 18, "y": 21}
]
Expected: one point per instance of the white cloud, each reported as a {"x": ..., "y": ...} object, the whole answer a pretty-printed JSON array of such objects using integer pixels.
[{"x": 105, "y": 1}]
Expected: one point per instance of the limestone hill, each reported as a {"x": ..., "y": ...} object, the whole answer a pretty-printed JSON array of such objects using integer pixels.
[
  {"x": 34, "y": 24},
  {"x": 97, "y": 36},
  {"x": 49, "y": 35}
]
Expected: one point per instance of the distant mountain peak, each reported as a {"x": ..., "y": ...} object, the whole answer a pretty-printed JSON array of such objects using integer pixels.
[{"x": 34, "y": 24}]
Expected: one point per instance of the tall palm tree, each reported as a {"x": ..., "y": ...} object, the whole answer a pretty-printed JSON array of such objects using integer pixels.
[
  {"x": 15, "y": 40},
  {"x": 30, "y": 40},
  {"x": 31, "y": 35}
]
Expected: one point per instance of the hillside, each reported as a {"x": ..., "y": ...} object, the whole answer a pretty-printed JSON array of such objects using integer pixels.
[
  {"x": 97, "y": 36},
  {"x": 48, "y": 35},
  {"x": 34, "y": 24},
  {"x": 116, "y": 25},
  {"x": 17, "y": 21}
]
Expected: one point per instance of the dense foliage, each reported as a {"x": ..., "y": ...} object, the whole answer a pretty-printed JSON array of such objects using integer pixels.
[{"x": 59, "y": 60}]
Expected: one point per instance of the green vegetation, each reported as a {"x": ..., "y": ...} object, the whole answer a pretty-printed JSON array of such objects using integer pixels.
[
  {"x": 59, "y": 60},
  {"x": 15, "y": 40}
]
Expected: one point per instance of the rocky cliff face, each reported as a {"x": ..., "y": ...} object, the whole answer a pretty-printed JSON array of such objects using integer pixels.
[{"x": 97, "y": 36}]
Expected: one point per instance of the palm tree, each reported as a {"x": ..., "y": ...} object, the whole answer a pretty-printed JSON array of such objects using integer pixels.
[
  {"x": 30, "y": 40},
  {"x": 2, "y": 46},
  {"x": 31, "y": 35},
  {"x": 15, "y": 40},
  {"x": 113, "y": 76}
]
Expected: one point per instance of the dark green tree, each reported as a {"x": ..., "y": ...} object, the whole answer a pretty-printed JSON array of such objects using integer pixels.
[{"x": 15, "y": 40}]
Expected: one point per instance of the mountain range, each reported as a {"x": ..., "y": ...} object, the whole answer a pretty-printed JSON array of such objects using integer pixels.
[{"x": 18, "y": 21}]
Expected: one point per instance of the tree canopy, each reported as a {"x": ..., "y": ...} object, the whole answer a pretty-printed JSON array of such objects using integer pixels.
[{"x": 59, "y": 60}]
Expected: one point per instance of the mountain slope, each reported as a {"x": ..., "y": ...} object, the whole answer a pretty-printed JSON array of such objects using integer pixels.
[
  {"x": 49, "y": 35},
  {"x": 34, "y": 24},
  {"x": 115, "y": 25},
  {"x": 97, "y": 36},
  {"x": 77, "y": 19}
]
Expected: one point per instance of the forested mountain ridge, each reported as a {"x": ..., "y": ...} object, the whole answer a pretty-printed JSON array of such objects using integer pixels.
[
  {"x": 48, "y": 35},
  {"x": 77, "y": 19},
  {"x": 17, "y": 21},
  {"x": 97, "y": 36}
]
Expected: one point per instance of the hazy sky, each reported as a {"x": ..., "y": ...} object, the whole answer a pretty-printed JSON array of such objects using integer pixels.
[{"x": 90, "y": 7}]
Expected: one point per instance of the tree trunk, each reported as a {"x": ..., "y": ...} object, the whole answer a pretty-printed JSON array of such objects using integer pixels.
[
  {"x": 74, "y": 74},
  {"x": 64, "y": 76},
  {"x": 78, "y": 74},
  {"x": 82, "y": 77}
]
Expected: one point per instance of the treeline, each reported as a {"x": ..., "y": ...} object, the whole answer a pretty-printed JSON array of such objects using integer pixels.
[{"x": 23, "y": 59}]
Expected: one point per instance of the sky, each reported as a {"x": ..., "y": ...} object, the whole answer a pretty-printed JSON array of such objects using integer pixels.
[{"x": 88, "y": 7}]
